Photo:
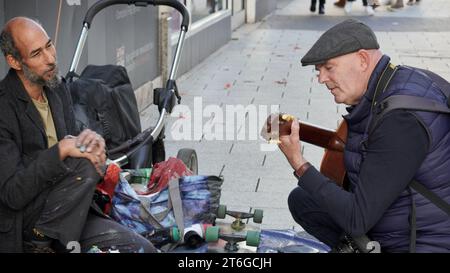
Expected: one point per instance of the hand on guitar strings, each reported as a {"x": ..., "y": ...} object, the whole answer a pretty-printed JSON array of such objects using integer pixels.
[{"x": 291, "y": 147}]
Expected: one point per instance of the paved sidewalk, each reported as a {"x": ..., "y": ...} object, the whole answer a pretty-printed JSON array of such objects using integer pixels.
[{"x": 261, "y": 66}]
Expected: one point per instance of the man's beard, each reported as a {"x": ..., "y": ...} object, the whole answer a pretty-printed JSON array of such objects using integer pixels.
[{"x": 37, "y": 79}]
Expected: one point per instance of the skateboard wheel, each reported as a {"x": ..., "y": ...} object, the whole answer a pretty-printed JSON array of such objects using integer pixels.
[
  {"x": 212, "y": 234},
  {"x": 175, "y": 234},
  {"x": 252, "y": 238},
  {"x": 258, "y": 216},
  {"x": 221, "y": 211}
]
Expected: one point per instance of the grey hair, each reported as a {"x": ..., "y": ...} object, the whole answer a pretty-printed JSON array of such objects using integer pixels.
[{"x": 7, "y": 45}]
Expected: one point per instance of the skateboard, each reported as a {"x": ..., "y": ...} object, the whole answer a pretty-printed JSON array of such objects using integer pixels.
[{"x": 236, "y": 236}]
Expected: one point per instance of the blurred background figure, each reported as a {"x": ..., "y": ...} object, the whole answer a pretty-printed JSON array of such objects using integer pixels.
[
  {"x": 411, "y": 2},
  {"x": 340, "y": 3},
  {"x": 368, "y": 8},
  {"x": 395, "y": 4},
  {"x": 321, "y": 6},
  {"x": 374, "y": 3},
  {"x": 212, "y": 6},
  {"x": 398, "y": 4}
]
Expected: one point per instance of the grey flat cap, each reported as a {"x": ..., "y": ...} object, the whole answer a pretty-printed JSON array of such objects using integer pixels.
[{"x": 344, "y": 38}]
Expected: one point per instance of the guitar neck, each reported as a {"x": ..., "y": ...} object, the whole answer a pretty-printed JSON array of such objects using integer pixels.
[{"x": 321, "y": 137}]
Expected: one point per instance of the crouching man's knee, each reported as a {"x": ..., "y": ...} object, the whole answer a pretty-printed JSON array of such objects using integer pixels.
[
  {"x": 297, "y": 199},
  {"x": 300, "y": 203}
]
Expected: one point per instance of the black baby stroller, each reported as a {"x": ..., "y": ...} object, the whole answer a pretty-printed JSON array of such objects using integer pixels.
[{"x": 104, "y": 100}]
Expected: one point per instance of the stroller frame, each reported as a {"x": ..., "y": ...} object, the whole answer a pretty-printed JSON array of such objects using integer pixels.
[{"x": 165, "y": 98}]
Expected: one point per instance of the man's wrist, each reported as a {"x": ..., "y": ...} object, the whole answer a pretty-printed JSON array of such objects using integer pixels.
[
  {"x": 300, "y": 171},
  {"x": 62, "y": 150}
]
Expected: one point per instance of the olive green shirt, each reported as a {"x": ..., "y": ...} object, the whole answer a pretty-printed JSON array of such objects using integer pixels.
[{"x": 47, "y": 118}]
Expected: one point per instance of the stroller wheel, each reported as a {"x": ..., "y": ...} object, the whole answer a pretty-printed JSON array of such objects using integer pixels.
[
  {"x": 158, "y": 151},
  {"x": 189, "y": 158}
]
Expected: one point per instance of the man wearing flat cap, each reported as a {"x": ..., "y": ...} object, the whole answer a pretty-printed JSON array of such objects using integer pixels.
[{"x": 397, "y": 153}]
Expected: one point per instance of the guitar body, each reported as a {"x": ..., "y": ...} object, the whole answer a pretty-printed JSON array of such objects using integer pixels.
[{"x": 332, "y": 165}]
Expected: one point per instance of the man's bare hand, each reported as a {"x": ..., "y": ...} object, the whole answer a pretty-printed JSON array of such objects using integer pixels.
[
  {"x": 69, "y": 147},
  {"x": 91, "y": 141},
  {"x": 291, "y": 147}
]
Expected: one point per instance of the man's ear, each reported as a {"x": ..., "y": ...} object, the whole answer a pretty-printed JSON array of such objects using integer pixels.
[
  {"x": 13, "y": 62},
  {"x": 364, "y": 59}
]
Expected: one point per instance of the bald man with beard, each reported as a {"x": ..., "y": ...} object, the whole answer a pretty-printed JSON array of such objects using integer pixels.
[{"x": 48, "y": 170}]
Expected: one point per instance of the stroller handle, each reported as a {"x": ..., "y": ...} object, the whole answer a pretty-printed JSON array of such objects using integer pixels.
[{"x": 98, "y": 6}]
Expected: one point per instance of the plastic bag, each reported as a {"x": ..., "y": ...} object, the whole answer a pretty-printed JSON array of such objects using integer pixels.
[{"x": 200, "y": 196}]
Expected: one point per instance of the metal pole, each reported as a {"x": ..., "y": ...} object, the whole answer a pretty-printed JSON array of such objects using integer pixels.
[
  {"x": 160, "y": 124},
  {"x": 121, "y": 161},
  {"x": 80, "y": 46},
  {"x": 176, "y": 58}
]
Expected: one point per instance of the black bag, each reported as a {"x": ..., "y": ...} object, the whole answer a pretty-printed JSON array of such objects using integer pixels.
[{"x": 104, "y": 101}]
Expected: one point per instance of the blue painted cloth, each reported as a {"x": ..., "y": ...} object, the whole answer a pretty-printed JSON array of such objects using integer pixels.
[{"x": 200, "y": 197}]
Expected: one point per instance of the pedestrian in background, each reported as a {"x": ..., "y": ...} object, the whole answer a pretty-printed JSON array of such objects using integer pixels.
[
  {"x": 374, "y": 3},
  {"x": 397, "y": 5},
  {"x": 340, "y": 3},
  {"x": 368, "y": 8},
  {"x": 321, "y": 6},
  {"x": 411, "y": 2}
]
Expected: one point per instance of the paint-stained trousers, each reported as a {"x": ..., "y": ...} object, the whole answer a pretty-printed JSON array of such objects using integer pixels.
[{"x": 66, "y": 212}]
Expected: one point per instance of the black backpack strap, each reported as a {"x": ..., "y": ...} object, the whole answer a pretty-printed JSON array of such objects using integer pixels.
[
  {"x": 434, "y": 198},
  {"x": 380, "y": 109},
  {"x": 383, "y": 82},
  {"x": 408, "y": 103},
  {"x": 412, "y": 103},
  {"x": 413, "y": 226}
]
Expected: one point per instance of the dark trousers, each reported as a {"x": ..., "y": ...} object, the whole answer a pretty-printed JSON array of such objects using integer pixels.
[
  {"x": 321, "y": 2},
  {"x": 312, "y": 218},
  {"x": 107, "y": 234},
  {"x": 61, "y": 212}
]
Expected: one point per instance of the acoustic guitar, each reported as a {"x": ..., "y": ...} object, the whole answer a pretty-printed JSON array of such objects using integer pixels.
[{"x": 333, "y": 142}]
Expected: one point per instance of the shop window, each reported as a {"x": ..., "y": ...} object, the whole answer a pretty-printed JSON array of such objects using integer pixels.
[
  {"x": 238, "y": 5},
  {"x": 199, "y": 9},
  {"x": 202, "y": 8}
]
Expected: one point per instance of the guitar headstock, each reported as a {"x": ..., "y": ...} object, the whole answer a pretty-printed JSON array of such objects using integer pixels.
[{"x": 275, "y": 126}]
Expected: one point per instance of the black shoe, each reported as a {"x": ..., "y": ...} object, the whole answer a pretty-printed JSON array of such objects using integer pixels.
[
  {"x": 348, "y": 244},
  {"x": 38, "y": 247},
  {"x": 37, "y": 242},
  {"x": 345, "y": 245}
]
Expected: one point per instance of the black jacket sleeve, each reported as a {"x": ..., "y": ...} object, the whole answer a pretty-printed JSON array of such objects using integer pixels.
[
  {"x": 20, "y": 184},
  {"x": 395, "y": 151}
]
